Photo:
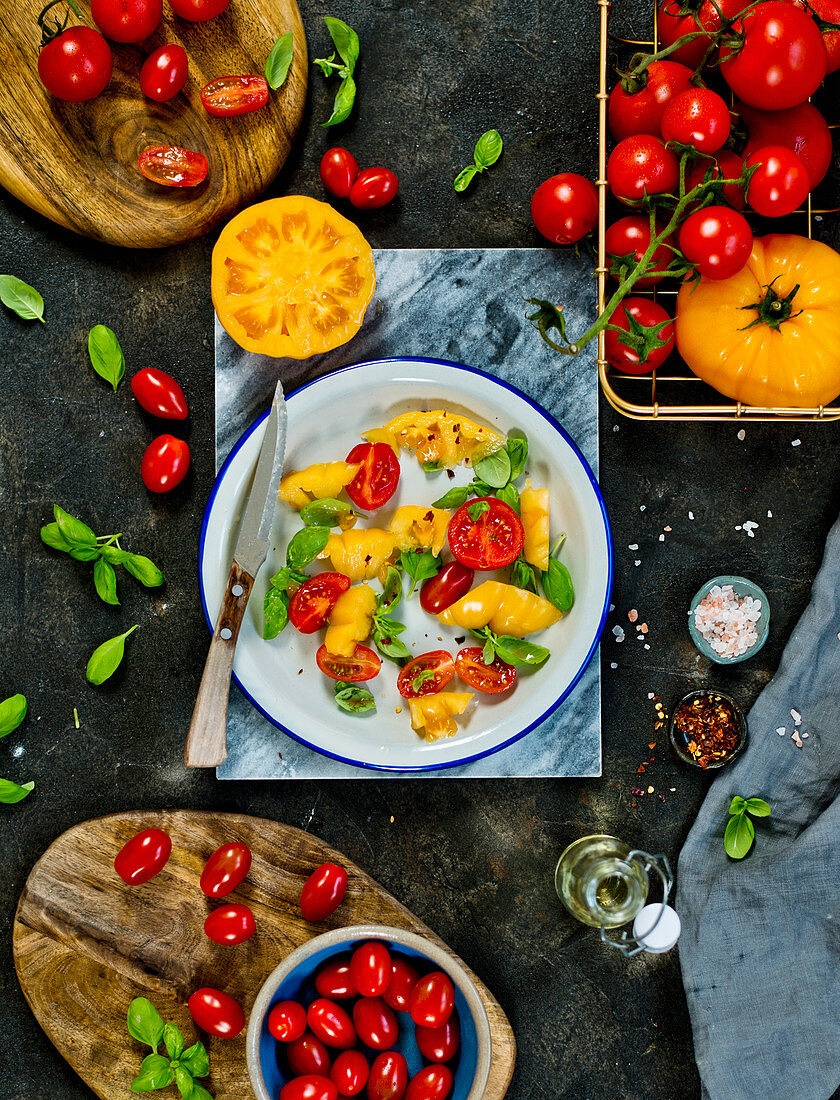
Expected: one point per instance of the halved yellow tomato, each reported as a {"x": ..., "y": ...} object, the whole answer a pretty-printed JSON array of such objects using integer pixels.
[{"x": 291, "y": 277}]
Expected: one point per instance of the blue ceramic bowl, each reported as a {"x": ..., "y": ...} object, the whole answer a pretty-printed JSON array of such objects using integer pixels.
[
  {"x": 294, "y": 978},
  {"x": 742, "y": 588}
]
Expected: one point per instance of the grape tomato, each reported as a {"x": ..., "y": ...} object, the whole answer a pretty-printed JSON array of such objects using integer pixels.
[
  {"x": 388, "y": 1077},
  {"x": 426, "y": 674},
  {"x": 287, "y": 1021},
  {"x": 717, "y": 240},
  {"x": 334, "y": 981},
  {"x": 485, "y": 533},
  {"x": 310, "y": 1087},
  {"x": 432, "y": 1000},
  {"x": 363, "y": 665},
  {"x": 172, "y": 166},
  {"x": 228, "y": 96},
  {"x": 350, "y": 1072},
  {"x": 339, "y": 171},
  {"x": 375, "y": 1023},
  {"x": 371, "y": 968},
  {"x": 226, "y": 869},
  {"x": 308, "y": 1055},
  {"x": 445, "y": 588},
  {"x": 143, "y": 857},
  {"x": 162, "y": 75},
  {"x": 431, "y": 1083},
  {"x": 404, "y": 977},
  {"x": 641, "y": 165},
  {"x": 165, "y": 463},
  {"x": 217, "y": 1013},
  {"x": 314, "y": 600},
  {"x": 323, "y": 891},
  {"x": 374, "y": 187},
  {"x": 377, "y": 477},
  {"x": 230, "y": 925},
  {"x": 331, "y": 1024},
  {"x": 159, "y": 394},
  {"x": 439, "y": 1044}
]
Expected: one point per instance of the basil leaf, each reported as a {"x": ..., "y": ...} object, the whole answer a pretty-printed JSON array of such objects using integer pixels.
[
  {"x": 196, "y": 1060},
  {"x": 488, "y": 653},
  {"x": 52, "y": 536},
  {"x": 517, "y": 449},
  {"x": 757, "y": 807},
  {"x": 477, "y": 509},
  {"x": 12, "y": 713},
  {"x": 519, "y": 651},
  {"x": 391, "y": 647},
  {"x": 106, "y": 355},
  {"x": 144, "y": 1022},
  {"x": 115, "y": 554},
  {"x": 328, "y": 512},
  {"x": 739, "y": 836},
  {"x": 386, "y": 625},
  {"x": 155, "y": 1073},
  {"x": 12, "y": 792},
  {"x": 510, "y": 495},
  {"x": 353, "y": 698},
  {"x": 86, "y": 553},
  {"x": 105, "y": 580},
  {"x": 420, "y": 566},
  {"x": 184, "y": 1081},
  {"x": 143, "y": 569},
  {"x": 275, "y": 612},
  {"x": 200, "y": 1092},
  {"x": 391, "y": 592},
  {"x": 21, "y": 298},
  {"x": 432, "y": 468},
  {"x": 456, "y": 496},
  {"x": 326, "y": 64},
  {"x": 488, "y": 149},
  {"x": 346, "y": 41},
  {"x": 344, "y": 100},
  {"x": 279, "y": 60},
  {"x": 494, "y": 469},
  {"x": 73, "y": 530},
  {"x": 465, "y": 178},
  {"x": 557, "y": 585},
  {"x": 524, "y": 575},
  {"x": 106, "y": 658},
  {"x": 738, "y": 805},
  {"x": 173, "y": 1040},
  {"x": 422, "y": 678},
  {"x": 305, "y": 546}
]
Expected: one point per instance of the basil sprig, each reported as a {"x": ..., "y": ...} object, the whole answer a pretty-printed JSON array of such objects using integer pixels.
[
  {"x": 12, "y": 713},
  {"x": 279, "y": 60},
  {"x": 354, "y": 698},
  {"x": 513, "y": 651},
  {"x": 487, "y": 151},
  {"x": 739, "y": 834},
  {"x": 304, "y": 547},
  {"x": 21, "y": 298},
  {"x": 384, "y": 629},
  {"x": 106, "y": 355},
  {"x": 346, "y": 43},
  {"x": 420, "y": 565},
  {"x": 107, "y": 658},
  {"x": 178, "y": 1065},
  {"x": 524, "y": 575},
  {"x": 557, "y": 584},
  {"x": 494, "y": 475}
]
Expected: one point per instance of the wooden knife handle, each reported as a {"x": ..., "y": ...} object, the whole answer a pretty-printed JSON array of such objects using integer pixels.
[{"x": 207, "y": 739}]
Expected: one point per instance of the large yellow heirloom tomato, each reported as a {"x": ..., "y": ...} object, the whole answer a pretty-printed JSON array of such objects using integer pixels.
[
  {"x": 291, "y": 277},
  {"x": 770, "y": 335}
]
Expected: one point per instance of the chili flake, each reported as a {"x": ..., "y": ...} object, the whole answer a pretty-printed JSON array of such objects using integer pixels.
[{"x": 709, "y": 726}]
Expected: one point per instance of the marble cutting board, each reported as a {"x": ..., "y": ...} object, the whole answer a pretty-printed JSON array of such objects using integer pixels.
[{"x": 466, "y": 305}]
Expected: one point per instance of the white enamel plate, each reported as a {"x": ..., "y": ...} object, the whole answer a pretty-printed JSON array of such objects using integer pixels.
[{"x": 326, "y": 419}]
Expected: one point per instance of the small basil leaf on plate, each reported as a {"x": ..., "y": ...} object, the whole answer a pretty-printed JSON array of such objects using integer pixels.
[
  {"x": 523, "y": 575},
  {"x": 391, "y": 592},
  {"x": 279, "y": 60},
  {"x": 305, "y": 546},
  {"x": 353, "y": 698},
  {"x": 12, "y": 713},
  {"x": 327, "y": 512},
  {"x": 105, "y": 580},
  {"x": 488, "y": 149},
  {"x": 10, "y": 793},
  {"x": 432, "y": 468},
  {"x": 106, "y": 658},
  {"x": 510, "y": 495},
  {"x": 517, "y": 449},
  {"x": 494, "y": 469},
  {"x": 21, "y": 298},
  {"x": 557, "y": 585},
  {"x": 422, "y": 678},
  {"x": 456, "y": 496},
  {"x": 275, "y": 612},
  {"x": 420, "y": 566},
  {"x": 106, "y": 355},
  {"x": 477, "y": 509},
  {"x": 519, "y": 651},
  {"x": 144, "y": 1022}
]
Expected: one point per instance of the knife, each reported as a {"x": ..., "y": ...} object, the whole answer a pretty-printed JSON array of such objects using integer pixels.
[{"x": 207, "y": 738}]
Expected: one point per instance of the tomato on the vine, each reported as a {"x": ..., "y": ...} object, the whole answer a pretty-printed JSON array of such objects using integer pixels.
[
  {"x": 164, "y": 73},
  {"x": 362, "y": 665},
  {"x": 159, "y": 394},
  {"x": 226, "y": 869},
  {"x": 779, "y": 184},
  {"x": 308, "y": 1055},
  {"x": 450, "y": 584},
  {"x": 640, "y": 112},
  {"x": 216, "y": 1013},
  {"x": 230, "y": 925},
  {"x": 802, "y": 129},
  {"x": 492, "y": 679},
  {"x": 377, "y": 478},
  {"x": 724, "y": 165},
  {"x": 76, "y": 65},
  {"x": 370, "y": 968},
  {"x": 311, "y": 604},
  {"x": 228, "y": 96},
  {"x": 350, "y": 1072},
  {"x": 485, "y": 533},
  {"x": 565, "y": 208},
  {"x": 646, "y": 313},
  {"x": 330, "y": 1023},
  {"x": 172, "y": 166},
  {"x": 432, "y": 1000},
  {"x": 375, "y": 1023},
  {"x": 339, "y": 171},
  {"x": 641, "y": 165},
  {"x": 426, "y": 675},
  {"x": 627, "y": 240},
  {"x": 431, "y": 1083},
  {"x": 198, "y": 11},
  {"x": 677, "y": 19},
  {"x": 165, "y": 463},
  {"x": 374, "y": 187},
  {"x": 323, "y": 891},
  {"x": 126, "y": 20},
  {"x": 717, "y": 240},
  {"x": 144, "y": 856},
  {"x": 287, "y": 1021},
  {"x": 388, "y": 1077},
  {"x": 698, "y": 117}
]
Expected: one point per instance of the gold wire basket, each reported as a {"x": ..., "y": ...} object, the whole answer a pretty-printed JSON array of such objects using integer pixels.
[{"x": 672, "y": 392}]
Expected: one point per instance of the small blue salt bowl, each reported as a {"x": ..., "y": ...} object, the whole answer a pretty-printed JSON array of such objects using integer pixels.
[{"x": 742, "y": 588}]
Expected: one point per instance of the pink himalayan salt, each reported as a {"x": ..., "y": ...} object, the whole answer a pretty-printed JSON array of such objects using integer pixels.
[{"x": 726, "y": 622}]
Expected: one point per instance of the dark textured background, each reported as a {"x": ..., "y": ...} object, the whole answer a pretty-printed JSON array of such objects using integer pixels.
[{"x": 474, "y": 859}]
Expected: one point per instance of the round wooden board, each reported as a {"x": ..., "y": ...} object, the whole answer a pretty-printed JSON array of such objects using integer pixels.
[
  {"x": 85, "y": 944},
  {"x": 76, "y": 163}
]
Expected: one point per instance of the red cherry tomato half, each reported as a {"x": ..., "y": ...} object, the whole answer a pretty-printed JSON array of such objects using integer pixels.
[
  {"x": 363, "y": 665},
  {"x": 323, "y": 891},
  {"x": 564, "y": 207},
  {"x": 439, "y": 1044},
  {"x": 388, "y": 1077},
  {"x": 640, "y": 112},
  {"x": 126, "y": 20},
  {"x": 626, "y": 358},
  {"x": 450, "y": 584},
  {"x": 370, "y": 968},
  {"x": 627, "y": 240},
  {"x": 404, "y": 977},
  {"x": 718, "y": 240},
  {"x": 697, "y": 117},
  {"x": 780, "y": 183},
  {"x": 164, "y": 74},
  {"x": 426, "y": 675},
  {"x": 377, "y": 479},
  {"x": 677, "y": 20},
  {"x": 287, "y": 1021},
  {"x": 641, "y": 165},
  {"x": 226, "y": 869},
  {"x": 76, "y": 65},
  {"x": 375, "y": 1023},
  {"x": 339, "y": 172},
  {"x": 315, "y": 599},
  {"x": 334, "y": 981},
  {"x": 198, "y": 11},
  {"x": 331, "y": 1024},
  {"x": 492, "y": 679},
  {"x": 374, "y": 187},
  {"x": 216, "y": 1013},
  {"x": 311, "y": 1087},
  {"x": 159, "y": 394},
  {"x": 431, "y": 1083},
  {"x": 142, "y": 857},
  {"x": 227, "y": 96},
  {"x": 171, "y": 166},
  {"x": 230, "y": 925},
  {"x": 432, "y": 1000},
  {"x": 485, "y": 537},
  {"x": 802, "y": 129},
  {"x": 350, "y": 1072},
  {"x": 165, "y": 463},
  {"x": 308, "y": 1055},
  {"x": 724, "y": 165}
]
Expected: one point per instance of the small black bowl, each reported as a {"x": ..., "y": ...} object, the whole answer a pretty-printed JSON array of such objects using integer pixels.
[{"x": 679, "y": 744}]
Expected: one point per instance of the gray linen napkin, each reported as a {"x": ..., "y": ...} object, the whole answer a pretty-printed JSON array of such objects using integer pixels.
[{"x": 761, "y": 936}]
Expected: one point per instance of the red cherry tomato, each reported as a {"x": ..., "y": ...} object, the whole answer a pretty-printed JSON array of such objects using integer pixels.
[
  {"x": 287, "y": 1021},
  {"x": 375, "y": 1023},
  {"x": 370, "y": 968},
  {"x": 76, "y": 65},
  {"x": 171, "y": 166},
  {"x": 628, "y": 359},
  {"x": 226, "y": 869},
  {"x": 227, "y": 96},
  {"x": 724, "y": 165},
  {"x": 485, "y": 538},
  {"x": 431, "y": 1083},
  {"x": 718, "y": 240},
  {"x": 142, "y": 857},
  {"x": 780, "y": 184},
  {"x": 404, "y": 977},
  {"x": 802, "y": 129},
  {"x": 363, "y": 665},
  {"x": 310, "y": 606},
  {"x": 308, "y": 1055},
  {"x": 165, "y": 463},
  {"x": 388, "y": 1077},
  {"x": 697, "y": 117},
  {"x": 641, "y": 165},
  {"x": 159, "y": 394},
  {"x": 450, "y": 584},
  {"x": 164, "y": 74},
  {"x": 677, "y": 19},
  {"x": 432, "y": 1000},
  {"x": 627, "y": 240},
  {"x": 640, "y": 112},
  {"x": 126, "y": 20},
  {"x": 565, "y": 207},
  {"x": 230, "y": 925},
  {"x": 829, "y": 10},
  {"x": 311, "y": 1087},
  {"x": 334, "y": 981},
  {"x": 339, "y": 172},
  {"x": 426, "y": 675},
  {"x": 350, "y": 1072},
  {"x": 331, "y": 1024},
  {"x": 439, "y": 1044},
  {"x": 374, "y": 187},
  {"x": 198, "y": 11},
  {"x": 377, "y": 478},
  {"x": 493, "y": 679},
  {"x": 323, "y": 891},
  {"x": 216, "y": 1013},
  {"x": 782, "y": 60}
]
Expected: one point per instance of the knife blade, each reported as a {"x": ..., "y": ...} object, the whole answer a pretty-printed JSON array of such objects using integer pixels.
[{"x": 255, "y": 529}]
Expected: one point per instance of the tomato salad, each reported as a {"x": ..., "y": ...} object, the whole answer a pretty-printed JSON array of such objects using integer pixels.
[{"x": 479, "y": 556}]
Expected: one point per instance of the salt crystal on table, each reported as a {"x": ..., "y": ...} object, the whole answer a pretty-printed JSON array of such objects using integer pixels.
[
  {"x": 797, "y": 740},
  {"x": 651, "y": 695},
  {"x": 769, "y": 514},
  {"x": 642, "y": 507},
  {"x": 666, "y": 528},
  {"x": 619, "y": 633},
  {"x": 633, "y": 546},
  {"x": 691, "y": 515},
  {"x": 637, "y": 561},
  {"x": 661, "y": 538},
  {"x": 613, "y": 664},
  {"x": 615, "y": 427},
  {"x": 796, "y": 443},
  {"x": 797, "y": 717},
  {"x": 742, "y": 434},
  {"x": 781, "y": 731},
  {"x": 632, "y": 614}
]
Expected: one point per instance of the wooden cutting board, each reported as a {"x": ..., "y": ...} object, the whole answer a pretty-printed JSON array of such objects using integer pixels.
[
  {"x": 76, "y": 163},
  {"x": 85, "y": 944}
]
